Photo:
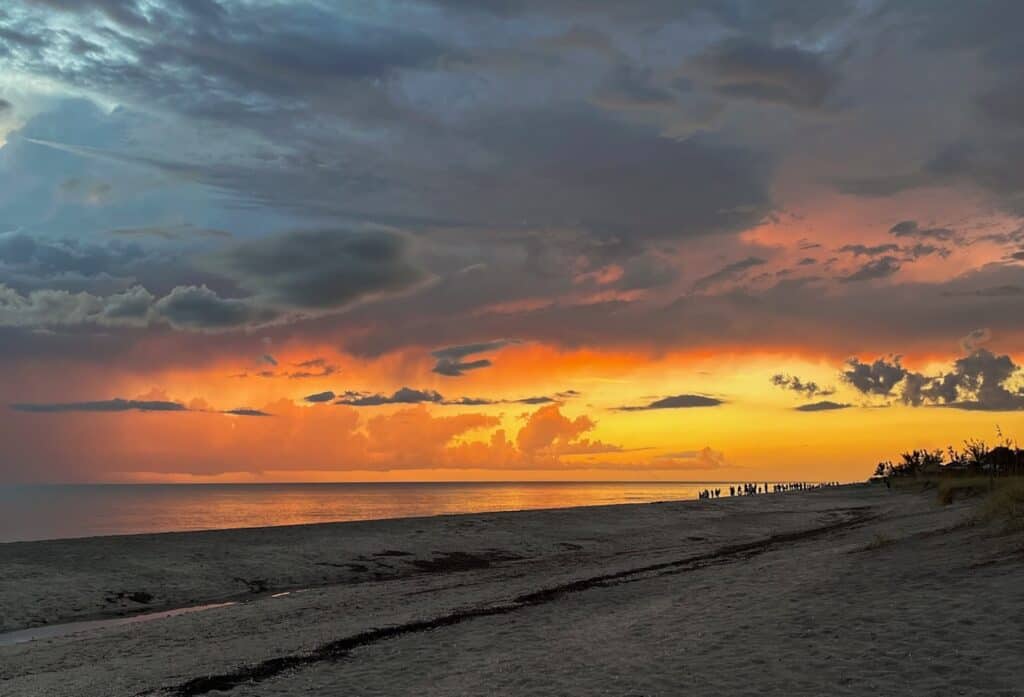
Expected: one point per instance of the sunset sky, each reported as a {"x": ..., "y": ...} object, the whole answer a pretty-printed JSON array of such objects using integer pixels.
[{"x": 256, "y": 240}]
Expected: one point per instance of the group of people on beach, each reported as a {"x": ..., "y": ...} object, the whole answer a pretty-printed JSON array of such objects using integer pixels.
[{"x": 752, "y": 489}]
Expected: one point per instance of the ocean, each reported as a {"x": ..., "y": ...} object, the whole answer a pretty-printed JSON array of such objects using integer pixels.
[{"x": 40, "y": 512}]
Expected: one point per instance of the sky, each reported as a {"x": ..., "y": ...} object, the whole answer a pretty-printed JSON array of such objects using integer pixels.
[{"x": 256, "y": 240}]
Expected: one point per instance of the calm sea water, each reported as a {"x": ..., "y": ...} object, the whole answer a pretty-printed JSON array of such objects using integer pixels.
[{"x": 39, "y": 512}]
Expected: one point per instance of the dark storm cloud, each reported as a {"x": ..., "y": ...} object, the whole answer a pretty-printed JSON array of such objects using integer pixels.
[
  {"x": 319, "y": 397},
  {"x": 1004, "y": 105},
  {"x": 869, "y": 251},
  {"x": 169, "y": 232},
  {"x": 987, "y": 163},
  {"x": 450, "y": 359},
  {"x": 636, "y": 186},
  {"x": 977, "y": 382},
  {"x": 60, "y": 308},
  {"x": 306, "y": 78},
  {"x": 470, "y": 402},
  {"x": 794, "y": 383},
  {"x": 408, "y": 395},
  {"x": 629, "y": 87},
  {"x": 749, "y": 69},
  {"x": 1006, "y": 291},
  {"x": 107, "y": 405},
  {"x": 459, "y": 368},
  {"x": 985, "y": 153},
  {"x": 878, "y": 268},
  {"x": 335, "y": 122},
  {"x": 5, "y": 106},
  {"x": 266, "y": 49},
  {"x": 25, "y": 254},
  {"x": 313, "y": 368},
  {"x": 199, "y": 308},
  {"x": 973, "y": 340},
  {"x": 922, "y": 249},
  {"x": 910, "y": 228},
  {"x": 404, "y": 395},
  {"x": 824, "y": 405},
  {"x": 125, "y": 12},
  {"x": 246, "y": 411},
  {"x": 729, "y": 272},
  {"x": 535, "y": 400},
  {"x": 941, "y": 25},
  {"x": 878, "y": 378},
  {"x": 321, "y": 269},
  {"x": 682, "y": 401},
  {"x": 788, "y": 15},
  {"x": 123, "y": 405}
]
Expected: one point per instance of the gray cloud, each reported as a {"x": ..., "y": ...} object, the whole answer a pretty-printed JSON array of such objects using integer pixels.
[
  {"x": 322, "y": 269},
  {"x": 926, "y": 250},
  {"x": 246, "y": 411},
  {"x": 121, "y": 405},
  {"x": 875, "y": 269},
  {"x": 404, "y": 395},
  {"x": 629, "y": 87},
  {"x": 302, "y": 272},
  {"x": 199, "y": 308},
  {"x": 106, "y": 405},
  {"x": 169, "y": 232},
  {"x": 792, "y": 382},
  {"x": 980, "y": 383},
  {"x": 977, "y": 382},
  {"x": 869, "y": 251},
  {"x": 55, "y": 308},
  {"x": 910, "y": 228},
  {"x": 313, "y": 368},
  {"x": 407, "y": 395},
  {"x": 1006, "y": 291},
  {"x": 789, "y": 75},
  {"x": 878, "y": 378},
  {"x": 291, "y": 117},
  {"x": 974, "y": 339},
  {"x": 729, "y": 272},
  {"x": 21, "y": 253},
  {"x": 449, "y": 359},
  {"x": 682, "y": 401},
  {"x": 824, "y": 405},
  {"x": 319, "y": 397}
]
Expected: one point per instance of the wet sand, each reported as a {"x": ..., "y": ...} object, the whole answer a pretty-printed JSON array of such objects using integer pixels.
[{"x": 848, "y": 591}]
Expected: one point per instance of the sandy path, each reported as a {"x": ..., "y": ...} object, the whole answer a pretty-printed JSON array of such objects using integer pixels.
[{"x": 813, "y": 612}]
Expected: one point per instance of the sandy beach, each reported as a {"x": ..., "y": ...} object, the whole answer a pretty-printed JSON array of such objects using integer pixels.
[{"x": 848, "y": 591}]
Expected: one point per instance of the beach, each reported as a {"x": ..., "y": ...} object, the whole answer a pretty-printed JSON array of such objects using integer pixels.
[{"x": 853, "y": 590}]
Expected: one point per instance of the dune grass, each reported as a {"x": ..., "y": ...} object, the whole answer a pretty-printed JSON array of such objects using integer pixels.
[
  {"x": 1005, "y": 504},
  {"x": 951, "y": 489}
]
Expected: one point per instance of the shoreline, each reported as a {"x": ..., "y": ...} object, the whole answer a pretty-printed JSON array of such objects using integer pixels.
[
  {"x": 695, "y": 579},
  {"x": 389, "y": 517},
  {"x": 325, "y": 528},
  {"x": 165, "y": 546}
]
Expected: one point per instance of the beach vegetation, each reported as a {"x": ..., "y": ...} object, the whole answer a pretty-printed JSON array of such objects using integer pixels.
[{"x": 975, "y": 469}]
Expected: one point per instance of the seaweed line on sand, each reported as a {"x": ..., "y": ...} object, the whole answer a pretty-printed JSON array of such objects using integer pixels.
[{"x": 341, "y": 648}]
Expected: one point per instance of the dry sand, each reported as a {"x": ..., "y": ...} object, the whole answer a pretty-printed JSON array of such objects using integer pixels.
[{"x": 849, "y": 591}]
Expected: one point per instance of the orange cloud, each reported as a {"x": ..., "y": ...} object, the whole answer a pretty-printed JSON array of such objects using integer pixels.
[{"x": 321, "y": 437}]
